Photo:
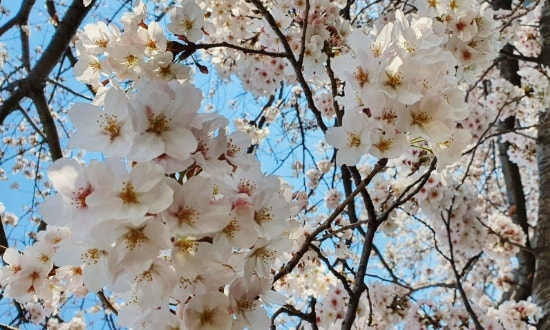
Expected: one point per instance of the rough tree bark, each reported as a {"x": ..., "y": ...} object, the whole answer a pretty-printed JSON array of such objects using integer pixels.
[
  {"x": 541, "y": 239},
  {"x": 521, "y": 283}
]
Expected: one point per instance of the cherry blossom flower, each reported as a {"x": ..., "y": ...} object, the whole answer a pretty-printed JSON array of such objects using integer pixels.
[
  {"x": 28, "y": 273},
  {"x": 388, "y": 143},
  {"x": 260, "y": 259},
  {"x": 97, "y": 38},
  {"x": 429, "y": 118},
  {"x": 150, "y": 286},
  {"x": 396, "y": 76},
  {"x": 209, "y": 312},
  {"x": 240, "y": 232},
  {"x": 127, "y": 61},
  {"x": 236, "y": 147},
  {"x": 135, "y": 245},
  {"x": 132, "y": 20},
  {"x": 333, "y": 197},
  {"x": 450, "y": 151},
  {"x": 191, "y": 257},
  {"x": 504, "y": 237},
  {"x": 109, "y": 131},
  {"x": 352, "y": 139},
  {"x": 212, "y": 145},
  {"x": 271, "y": 211},
  {"x": 91, "y": 256},
  {"x": 89, "y": 69},
  {"x": 194, "y": 211},
  {"x": 163, "y": 115},
  {"x": 123, "y": 195},
  {"x": 361, "y": 71},
  {"x": 161, "y": 66},
  {"x": 152, "y": 38},
  {"x": 187, "y": 21},
  {"x": 69, "y": 206},
  {"x": 243, "y": 295}
]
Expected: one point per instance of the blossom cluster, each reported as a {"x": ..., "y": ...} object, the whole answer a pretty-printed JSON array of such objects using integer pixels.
[
  {"x": 141, "y": 50},
  {"x": 240, "y": 24},
  {"x": 177, "y": 221},
  {"x": 184, "y": 229},
  {"x": 400, "y": 87}
]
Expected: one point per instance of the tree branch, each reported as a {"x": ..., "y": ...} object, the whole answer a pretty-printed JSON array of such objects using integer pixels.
[
  {"x": 20, "y": 18},
  {"x": 326, "y": 224}
]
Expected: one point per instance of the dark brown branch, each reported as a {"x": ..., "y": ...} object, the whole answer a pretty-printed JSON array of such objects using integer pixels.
[
  {"x": 12, "y": 102},
  {"x": 327, "y": 223},
  {"x": 519, "y": 57},
  {"x": 20, "y": 18},
  {"x": 359, "y": 287},
  {"x": 310, "y": 317},
  {"x": 49, "y": 59},
  {"x": 32, "y": 86},
  {"x": 25, "y": 49},
  {"x": 452, "y": 262},
  {"x": 240, "y": 48},
  {"x": 346, "y": 11},
  {"x": 293, "y": 62},
  {"x": 7, "y": 327},
  {"x": 62, "y": 38},
  {"x": 304, "y": 35},
  {"x": 3, "y": 238},
  {"x": 50, "y": 129},
  {"x": 106, "y": 303},
  {"x": 407, "y": 194},
  {"x": 523, "y": 275},
  {"x": 334, "y": 272}
]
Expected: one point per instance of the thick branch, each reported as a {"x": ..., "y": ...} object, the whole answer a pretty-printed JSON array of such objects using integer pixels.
[
  {"x": 523, "y": 275},
  {"x": 61, "y": 39},
  {"x": 360, "y": 286},
  {"x": 545, "y": 34},
  {"x": 50, "y": 129},
  {"x": 3, "y": 238},
  {"x": 34, "y": 83},
  {"x": 11, "y": 103},
  {"x": 541, "y": 243},
  {"x": 508, "y": 53}
]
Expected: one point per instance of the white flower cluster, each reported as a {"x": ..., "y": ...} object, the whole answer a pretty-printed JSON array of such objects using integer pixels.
[
  {"x": 255, "y": 133},
  {"x": 505, "y": 237},
  {"x": 140, "y": 51},
  {"x": 7, "y": 218},
  {"x": 401, "y": 86},
  {"x": 178, "y": 221},
  {"x": 240, "y": 24}
]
